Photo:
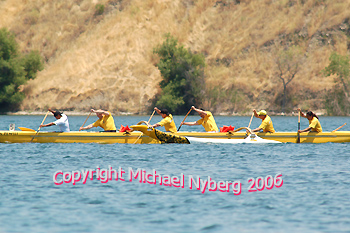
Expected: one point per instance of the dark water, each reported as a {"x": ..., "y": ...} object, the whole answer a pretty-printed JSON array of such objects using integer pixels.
[{"x": 314, "y": 196}]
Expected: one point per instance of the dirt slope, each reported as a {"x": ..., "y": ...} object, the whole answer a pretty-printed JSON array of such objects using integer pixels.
[{"x": 106, "y": 61}]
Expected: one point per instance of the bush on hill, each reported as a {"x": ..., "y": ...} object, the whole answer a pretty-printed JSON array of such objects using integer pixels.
[
  {"x": 337, "y": 100},
  {"x": 15, "y": 70},
  {"x": 183, "y": 76}
]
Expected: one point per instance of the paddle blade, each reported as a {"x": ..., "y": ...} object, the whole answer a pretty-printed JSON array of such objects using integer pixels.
[
  {"x": 26, "y": 129},
  {"x": 298, "y": 139}
]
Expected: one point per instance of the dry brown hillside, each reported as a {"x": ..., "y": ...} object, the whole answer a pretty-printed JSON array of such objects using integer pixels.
[{"x": 106, "y": 61}]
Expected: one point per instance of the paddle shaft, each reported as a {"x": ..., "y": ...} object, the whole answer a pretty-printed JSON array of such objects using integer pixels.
[
  {"x": 184, "y": 119},
  {"x": 85, "y": 120},
  {"x": 339, "y": 127},
  {"x": 40, "y": 126},
  {"x": 251, "y": 120},
  {"x": 147, "y": 125},
  {"x": 298, "y": 140},
  {"x": 151, "y": 116}
]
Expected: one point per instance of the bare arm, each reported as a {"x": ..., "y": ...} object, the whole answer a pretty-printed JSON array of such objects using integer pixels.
[
  {"x": 305, "y": 130},
  {"x": 155, "y": 125},
  {"x": 190, "y": 123},
  {"x": 100, "y": 111},
  {"x": 157, "y": 110},
  {"x": 257, "y": 129},
  {"x": 48, "y": 124},
  {"x": 301, "y": 113},
  {"x": 199, "y": 111},
  {"x": 255, "y": 113},
  {"x": 87, "y": 127}
]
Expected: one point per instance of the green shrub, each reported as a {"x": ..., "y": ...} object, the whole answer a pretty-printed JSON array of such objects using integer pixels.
[
  {"x": 337, "y": 100},
  {"x": 15, "y": 70},
  {"x": 183, "y": 76},
  {"x": 32, "y": 62},
  {"x": 99, "y": 9}
]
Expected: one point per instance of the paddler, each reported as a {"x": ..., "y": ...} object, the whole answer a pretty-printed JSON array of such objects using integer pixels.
[
  {"x": 207, "y": 120},
  {"x": 266, "y": 124},
  {"x": 105, "y": 121},
  {"x": 168, "y": 121},
  {"x": 314, "y": 123},
  {"x": 61, "y": 121}
]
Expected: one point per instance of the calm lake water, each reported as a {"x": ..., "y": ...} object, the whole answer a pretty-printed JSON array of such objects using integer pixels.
[{"x": 314, "y": 196}]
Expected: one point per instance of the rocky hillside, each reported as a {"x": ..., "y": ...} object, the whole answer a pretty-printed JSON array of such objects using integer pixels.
[{"x": 104, "y": 59}]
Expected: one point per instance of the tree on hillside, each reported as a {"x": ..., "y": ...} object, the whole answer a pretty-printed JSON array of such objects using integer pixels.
[
  {"x": 337, "y": 99},
  {"x": 288, "y": 63},
  {"x": 340, "y": 66},
  {"x": 15, "y": 70},
  {"x": 183, "y": 76}
]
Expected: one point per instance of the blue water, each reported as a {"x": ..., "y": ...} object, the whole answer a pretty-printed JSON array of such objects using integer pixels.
[{"x": 314, "y": 196}]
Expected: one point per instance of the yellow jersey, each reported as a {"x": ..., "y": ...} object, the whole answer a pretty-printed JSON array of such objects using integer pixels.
[
  {"x": 208, "y": 122},
  {"x": 315, "y": 125},
  {"x": 168, "y": 123},
  {"x": 267, "y": 125},
  {"x": 107, "y": 122}
]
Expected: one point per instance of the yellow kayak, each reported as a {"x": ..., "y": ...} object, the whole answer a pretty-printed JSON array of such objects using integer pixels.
[{"x": 74, "y": 137}]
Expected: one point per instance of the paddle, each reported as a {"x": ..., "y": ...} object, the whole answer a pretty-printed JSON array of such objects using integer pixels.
[
  {"x": 147, "y": 123},
  {"x": 184, "y": 120},
  {"x": 251, "y": 120},
  {"x": 339, "y": 127},
  {"x": 86, "y": 120},
  {"x": 40, "y": 126},
  {"x": 298, "y": 140},
  {"x": 246, "y": 128},
  {"x": 248, "y": 131},
  {"x": 241, "y": 128},
  {"x": 26, "y": 129}
]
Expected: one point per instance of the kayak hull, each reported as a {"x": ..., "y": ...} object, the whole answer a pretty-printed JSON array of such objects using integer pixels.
[
  {"x": 143, "y": 135},
  {"x": 75, "y": 137}
]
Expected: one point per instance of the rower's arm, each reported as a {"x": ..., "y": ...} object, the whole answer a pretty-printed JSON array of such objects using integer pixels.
[
  {"x": 305, "y": 130},
  {"x": 157, "y": 110},
  {"x": 46, "y": 125},
  {"x": 100, "y": 111},
  {"x": 257, "y": 129},
  {"x": 255, "y": 113},
  {"x": 155, "y": 125},
  {"x": 301, "y": 113},
  {"x": 87, "y": 127},
  {"x": 199, "y": 110},
  {"x": 190, "y": 123}
]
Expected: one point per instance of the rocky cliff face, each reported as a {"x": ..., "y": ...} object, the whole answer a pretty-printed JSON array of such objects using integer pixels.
[{"x": 106, "y": 60}]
